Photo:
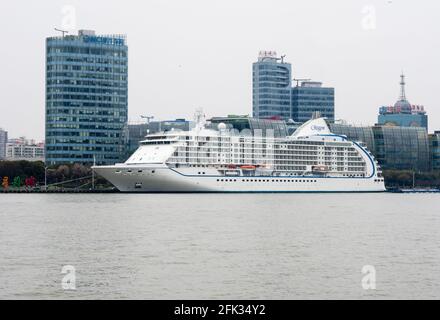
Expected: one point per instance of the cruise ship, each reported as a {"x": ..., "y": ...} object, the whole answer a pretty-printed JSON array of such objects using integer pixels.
[{"x": 204, "y": 159}]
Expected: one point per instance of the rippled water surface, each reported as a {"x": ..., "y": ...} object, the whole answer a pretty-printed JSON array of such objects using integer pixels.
[{"x": 226, "y": 246}]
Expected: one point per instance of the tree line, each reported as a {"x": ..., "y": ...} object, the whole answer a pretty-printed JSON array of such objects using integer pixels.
[{"x": 54, "y": 174}]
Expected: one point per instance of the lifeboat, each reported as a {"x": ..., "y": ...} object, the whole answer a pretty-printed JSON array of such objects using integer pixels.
[
  {"x": 247, "y": 167},
  {"x": 320, "y": 168}
]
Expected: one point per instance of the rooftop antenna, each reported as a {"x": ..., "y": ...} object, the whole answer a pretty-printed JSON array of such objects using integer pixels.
[
  {"x": 282, "y": 58},
  {"x": 63, "y": 32},
  {"x": 402, "y": 87}
]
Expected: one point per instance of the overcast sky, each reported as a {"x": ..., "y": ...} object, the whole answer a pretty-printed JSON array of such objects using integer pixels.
[{"x": 187, "y": 54}]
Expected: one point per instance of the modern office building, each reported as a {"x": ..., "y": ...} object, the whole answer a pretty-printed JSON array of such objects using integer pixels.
[
  {"x": 394, "y": 147},
  {"x": 434, "y": 140},
  {"x": 403, "y": 113},
  {"x": 310, "y": 97},
  {"x": 86, "y": 98},
  {"x": 402, "y": 148},
  {"x": 271, "y": 87},
  {"x": 274, "y": 97},
  {"x": 138, "y": 131},
  {"x": 3, "y": 142},
  {"x": 24, "y": 149}
]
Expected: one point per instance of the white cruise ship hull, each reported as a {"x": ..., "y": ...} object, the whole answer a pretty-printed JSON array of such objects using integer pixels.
[{"x": 160, "y": 178}]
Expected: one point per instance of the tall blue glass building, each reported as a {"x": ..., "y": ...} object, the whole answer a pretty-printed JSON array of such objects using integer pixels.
[
  {"x": 86, "y": 98},
  {"x": 271, "y": 85},
  {"x": 312, "y": 97},
  {"x": 274, "y": 97}
]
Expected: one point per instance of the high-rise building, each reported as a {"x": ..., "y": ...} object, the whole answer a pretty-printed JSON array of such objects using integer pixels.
[
  {"x": 403, "y": 113},
  {"x": 3, "y": 142},
  {"x": 86, "y": 98},
  {"x": 310, "y": 97},
  {"x": 271, "y": 97}
]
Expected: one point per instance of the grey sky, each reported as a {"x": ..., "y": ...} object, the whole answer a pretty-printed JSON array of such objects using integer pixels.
[{"x": 189, "y": 54}]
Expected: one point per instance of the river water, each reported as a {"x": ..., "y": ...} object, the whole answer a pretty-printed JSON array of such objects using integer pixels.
[{"x": 219, "y": 246}]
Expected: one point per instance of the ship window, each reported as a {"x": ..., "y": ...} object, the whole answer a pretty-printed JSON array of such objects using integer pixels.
[
  {"x": 140, "y": 171},
  {"x": 129, "y": 171}
]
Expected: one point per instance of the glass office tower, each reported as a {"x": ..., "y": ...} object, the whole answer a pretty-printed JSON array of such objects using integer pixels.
[
  {"x": 402, "y": 148},
  {"x": 274, "y": 98},
  {"x": 311, "y": 97},
  {"x": 271, "y": 87},
  {"x": 86, "y": 98},
  {"x": 434, "y": 140}
]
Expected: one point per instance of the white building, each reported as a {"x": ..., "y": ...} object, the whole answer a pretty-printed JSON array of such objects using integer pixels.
[{"x": 22, "y": 149}]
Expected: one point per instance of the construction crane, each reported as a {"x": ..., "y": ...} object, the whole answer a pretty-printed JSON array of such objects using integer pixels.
[
  {"x": 62, "y": 31},
  {"x": 300, "y": 80}
]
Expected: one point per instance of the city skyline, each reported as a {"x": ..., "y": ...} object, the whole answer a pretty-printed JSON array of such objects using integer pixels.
[{"x": 169, "y": 67}]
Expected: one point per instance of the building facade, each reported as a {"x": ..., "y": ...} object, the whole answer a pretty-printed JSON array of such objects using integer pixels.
[
  {"x": 3, "y": 142},
  {"x": 402, "y": 148},
  {"x": 273, "y": 95},
  {"x": 86, "y": 98},
  {"x": 310, "y": 97},
  {"x": 434, "y": 140},
  {"x": 271, "y": 87},
  {"x": 403, "y": 113},
  {"x": 395, "y": 148},
  {"x": 23, "y": 149}
]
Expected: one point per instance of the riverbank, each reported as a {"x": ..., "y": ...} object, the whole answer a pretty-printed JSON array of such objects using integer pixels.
[{"x": 59, "y": 191}]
